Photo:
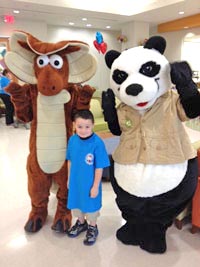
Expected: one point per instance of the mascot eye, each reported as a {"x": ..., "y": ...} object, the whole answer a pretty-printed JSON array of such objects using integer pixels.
[
  {"x": 119, "y": 76},
  {"x": 42, "y": 61},
  {"x": 56, "y": 61},
  {"x": 150, "y": 69}
]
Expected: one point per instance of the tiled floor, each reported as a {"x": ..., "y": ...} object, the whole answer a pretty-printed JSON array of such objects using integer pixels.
[{"x": 48, "y": 249}]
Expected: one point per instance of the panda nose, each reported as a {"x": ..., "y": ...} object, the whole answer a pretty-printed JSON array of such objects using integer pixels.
[{"x": 134, "y": 89}]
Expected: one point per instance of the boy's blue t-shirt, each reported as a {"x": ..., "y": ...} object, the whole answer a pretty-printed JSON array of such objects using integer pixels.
[
  {"x": 4, "y": 81},
  {"x": 85, "y": 156}
]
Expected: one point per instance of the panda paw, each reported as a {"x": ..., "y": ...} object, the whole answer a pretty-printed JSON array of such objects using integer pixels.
[{"x": 181, "y": 76}]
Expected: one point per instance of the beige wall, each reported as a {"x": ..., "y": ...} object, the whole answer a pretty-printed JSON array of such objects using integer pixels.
[{"x": 175, "y": 42}]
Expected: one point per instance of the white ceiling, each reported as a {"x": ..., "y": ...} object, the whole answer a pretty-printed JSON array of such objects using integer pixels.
[{"x": 99, "y": 13}]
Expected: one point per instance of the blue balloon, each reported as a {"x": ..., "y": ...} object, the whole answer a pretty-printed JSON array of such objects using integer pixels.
[
  {"x": 99, "y": 38},
  {"x": 3, "y": 52}
]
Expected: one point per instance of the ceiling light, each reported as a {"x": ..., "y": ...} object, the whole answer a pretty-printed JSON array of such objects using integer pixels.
[
  {"x": 88, "y": 25},
  {"x": 16, "y": 11},
  {"x": 181, "y": 12},
  {"x": 71, "y": 23},
  {"x": 84, "y": 19},
  {"x": 108, "y": 27}
]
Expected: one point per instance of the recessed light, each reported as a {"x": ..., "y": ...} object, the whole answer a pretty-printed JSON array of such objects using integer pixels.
[
  {"x": 84, "y": 19},
  {"x": 88, "y": 25},
  {"x": 108, "y": 27},
  {"x": 71, "y": 23},
  {"x": 16, "y": 11},
  {"x": 181, "y": 12}
]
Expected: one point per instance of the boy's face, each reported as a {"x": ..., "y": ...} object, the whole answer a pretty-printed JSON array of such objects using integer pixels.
[{"x": 83, "y": 127}]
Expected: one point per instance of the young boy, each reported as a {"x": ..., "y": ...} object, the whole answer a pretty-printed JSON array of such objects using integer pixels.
[{"x": 87, "y": 156}]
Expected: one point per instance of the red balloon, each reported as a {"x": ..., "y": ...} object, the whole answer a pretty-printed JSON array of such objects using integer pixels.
[
  {"x": 97, "y": 46},
  {"x": 103, "y": 47},
  {"x": 100, "y": 47}
]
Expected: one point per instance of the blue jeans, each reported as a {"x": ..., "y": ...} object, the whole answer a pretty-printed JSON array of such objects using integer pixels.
[{"x": 9, "y": 108}]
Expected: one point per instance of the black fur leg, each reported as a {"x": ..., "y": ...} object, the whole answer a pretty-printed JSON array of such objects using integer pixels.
[
  {"x": 127, "y": 234},
  {"x": 33, "y": 226}
]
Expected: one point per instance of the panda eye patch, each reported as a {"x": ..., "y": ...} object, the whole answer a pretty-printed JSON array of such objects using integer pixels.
[
  {"x": 119, "y": 76},
  {"x": 150, "y": 69}
]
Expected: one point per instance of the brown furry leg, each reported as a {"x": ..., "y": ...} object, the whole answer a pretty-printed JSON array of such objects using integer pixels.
[
  {"x": 63, "y": 217},
  {"x": 39, "y": 185}
]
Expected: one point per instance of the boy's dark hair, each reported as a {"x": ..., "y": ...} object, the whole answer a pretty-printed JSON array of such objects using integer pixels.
[
  {"x": 5, "y": 72},
  {"x": 84, "y": 114}
]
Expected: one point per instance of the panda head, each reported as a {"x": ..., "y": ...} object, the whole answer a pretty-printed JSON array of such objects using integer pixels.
[{"x": 140, "y": 75}]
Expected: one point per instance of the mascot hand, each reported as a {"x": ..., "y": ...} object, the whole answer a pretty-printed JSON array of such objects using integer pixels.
[
  {"x": 84, "y": 96},
  {"x": 108, "y": 105},
  {"x": 13, "y": 88},
  {"x": 86, "y": 93},
  {"x": 16, "y": 91},
  {"x": 108, "y": 99},
  {"x": 181, "y": 76}
]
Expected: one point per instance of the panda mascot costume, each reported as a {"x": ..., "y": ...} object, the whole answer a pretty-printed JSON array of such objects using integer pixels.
[{"x": 155, "y": 166}]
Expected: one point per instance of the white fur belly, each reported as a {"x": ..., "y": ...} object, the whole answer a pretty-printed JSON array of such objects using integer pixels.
[{"x": 149, "y": 180}]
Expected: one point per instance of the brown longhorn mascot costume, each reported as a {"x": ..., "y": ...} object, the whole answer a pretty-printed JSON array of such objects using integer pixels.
[{"x": 52, "y": 73}]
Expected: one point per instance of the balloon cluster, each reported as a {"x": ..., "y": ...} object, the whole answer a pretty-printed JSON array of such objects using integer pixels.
[{"x": 99, "y": 44}]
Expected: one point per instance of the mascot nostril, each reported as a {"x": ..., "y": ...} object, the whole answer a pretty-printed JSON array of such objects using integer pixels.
[{"x": 134, "y": 89}]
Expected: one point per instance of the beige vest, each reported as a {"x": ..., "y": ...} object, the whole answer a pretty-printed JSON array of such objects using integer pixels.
[{"x": 157, "y": 137}]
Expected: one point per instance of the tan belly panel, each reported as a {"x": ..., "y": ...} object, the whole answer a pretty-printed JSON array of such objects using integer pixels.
[{"x": 51, "y": 131}]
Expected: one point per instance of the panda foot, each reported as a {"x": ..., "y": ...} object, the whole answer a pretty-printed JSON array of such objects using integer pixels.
[
  {"x": 154, "y": 246},
  {"x": 127, "y": 234}
]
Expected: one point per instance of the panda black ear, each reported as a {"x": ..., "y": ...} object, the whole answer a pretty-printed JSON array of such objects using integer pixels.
[
  {"x": 156, "y": 42},
  {"x": 110, "y": 57}
]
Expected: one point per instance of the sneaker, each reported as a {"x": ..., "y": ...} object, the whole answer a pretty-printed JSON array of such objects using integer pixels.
[
  {"x": 27, "y": 126},
  {"x": 77, "y": 229},
  {"x": 91, "y": 235},
  {"x": 16, "y": 124}
]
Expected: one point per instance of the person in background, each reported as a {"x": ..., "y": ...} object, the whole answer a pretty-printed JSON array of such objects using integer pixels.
[
  {"x": 9, "y": 108},
  {"x": 87, "y": 156}
]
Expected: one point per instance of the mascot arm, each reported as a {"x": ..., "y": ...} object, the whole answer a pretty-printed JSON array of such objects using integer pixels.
[
  {"x": 181, "y": 76},
  {"x": 110, "y": 112},
  {"x": 21, "y": 98},
  {"x": 80, "y": 99}
]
